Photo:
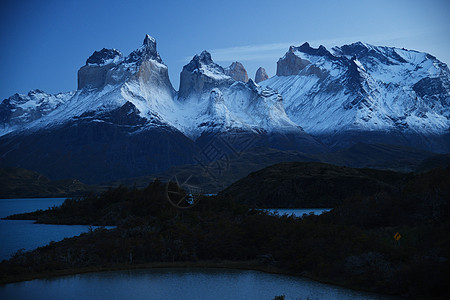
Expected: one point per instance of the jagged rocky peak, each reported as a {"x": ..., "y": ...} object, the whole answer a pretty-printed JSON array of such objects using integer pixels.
[
  {"x": 359, "y": 49},
  {"x": 19, "y": 110},
  {"x": 201, "y": 75},
  {"x": 307, "y": 49},
  {"x": 108, "y": 66},
  {"x": 291, "y": 64},
  {"x": 237, "y": 71},
  {"x": 261, "y": 75},
  {"x": 366, "y": 52},
  {"x": 370, "y": 93},
  {"x": 104, "y": 57},
  {"x": 202, "y": 61},
  {"x": 94, "y": 73},
  {"x": 146, "y": 52},
  {"x": 149, "y": 41},
  {"x": 303, "y": 59}
]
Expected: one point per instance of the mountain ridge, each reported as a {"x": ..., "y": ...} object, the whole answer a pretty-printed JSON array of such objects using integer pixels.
[
  {"x": 320, "y": 101},
  {"x": 389, "y": 94}
]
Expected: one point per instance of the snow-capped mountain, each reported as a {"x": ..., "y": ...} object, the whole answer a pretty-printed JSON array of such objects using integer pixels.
[
  {"x": 211, "y": 100},
  {"x": 113, "y": 126},
  {"x": 361, "y": 92},
  {"x": 109, "y": 81},
  {"x": 19, "y": 110},
  {"x": 126, "y": 119}
]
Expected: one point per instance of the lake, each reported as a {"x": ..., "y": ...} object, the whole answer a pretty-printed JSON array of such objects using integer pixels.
[
  {"x": 298, "y": 212},
  {"x": 24, "y": 234},
  {"x": 158, "y": 283},
  {"x": 175, "y": 283}
]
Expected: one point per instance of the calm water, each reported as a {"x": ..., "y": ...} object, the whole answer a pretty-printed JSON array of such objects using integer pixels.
[
  {"x": 178, "y": 284},
  {"x": 299, "y": 212},
  {"x": 151, "y": 283},
  {"x": 23, "y": 234}
]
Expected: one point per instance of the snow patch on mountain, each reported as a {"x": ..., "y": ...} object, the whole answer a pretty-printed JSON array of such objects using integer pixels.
[
  {"x": 365, "y": 88},
  {"x": 352, "y": 88},
  {"x": 19, "y": 110},
  {"x": 212, "y": 101}
]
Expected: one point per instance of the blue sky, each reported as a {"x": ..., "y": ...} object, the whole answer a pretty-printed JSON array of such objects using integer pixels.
[{"x": 44, "y": 43}]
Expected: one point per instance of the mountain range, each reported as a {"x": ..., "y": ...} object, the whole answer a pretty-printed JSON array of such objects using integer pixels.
[{"x": 125, "y": 119}]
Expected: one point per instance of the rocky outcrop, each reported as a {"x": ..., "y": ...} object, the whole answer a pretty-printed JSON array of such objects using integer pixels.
[
  {"x": 237, "y": 71},
  {"x": 146, "y": 52},
  {"x": 95, "y": 73},
  {"x": 108, "y": 66},
  {"x": 291, "y": 64},
  {"x": 152, "y": 75},
  {"x": 261, "y": 75},
  {"x": 201, "y": 74},
  {"x": 104, "y": 57}
]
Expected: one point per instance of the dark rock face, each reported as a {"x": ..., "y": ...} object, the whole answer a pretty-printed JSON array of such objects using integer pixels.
[
  {"x": 201, "y": 74},
  {"x": 103, "y": 56},
  {"x": 99, "y": 66},
  {"x": 145, "y": 52},
  {"x": 360, "y": 50},
  {"x": 204, "y": 59},
  {"x": 237, "y": 71},
  {"x": 261, "y": 75},
  {"x": 321, "y": 51},
  {"x": 291, "y": 64},
  {"x": 92, "y": 76},
  {"x": 6, "y": 111},
  {"x": 432, "y": 89},
  {"x": 353, "y": 77}
]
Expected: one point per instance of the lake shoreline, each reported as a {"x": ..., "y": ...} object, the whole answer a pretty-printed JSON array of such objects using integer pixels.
[{"x": 252, "y": 265}]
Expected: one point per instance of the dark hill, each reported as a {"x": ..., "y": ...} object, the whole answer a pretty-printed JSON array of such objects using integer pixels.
[
  {"x": 218, "y": 175},
  {"x": 436, "y": 161},
  {"x": 310, "y": 184},
  {"x": 22, "y": 183}
]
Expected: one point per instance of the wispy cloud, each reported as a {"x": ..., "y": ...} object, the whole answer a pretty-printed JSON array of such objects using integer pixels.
[
  {"x": 247, "y": 52},
  {"x": 273, "y": 51}
]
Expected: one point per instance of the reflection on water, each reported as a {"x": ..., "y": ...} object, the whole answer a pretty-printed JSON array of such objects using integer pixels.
[{"x": 168, "y": 283}]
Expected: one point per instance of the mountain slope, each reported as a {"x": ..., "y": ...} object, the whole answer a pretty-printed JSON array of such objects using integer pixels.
[
  {"x": 365, "y": 93},
  {"x": 126, "y": 119},
  {"x": 214, "y": 103},
  {"x": 19, "y": 110},
  {"x": 114, "y": 126}
]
